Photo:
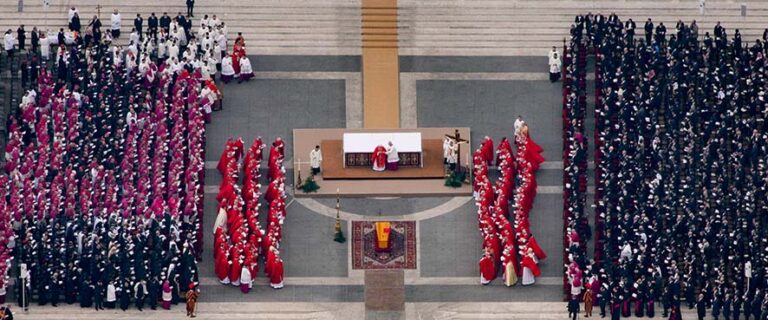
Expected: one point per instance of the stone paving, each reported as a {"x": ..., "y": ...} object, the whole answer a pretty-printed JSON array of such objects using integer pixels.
[
  {"x": 272, "y": 108},
  {"x": 449, "y": 243}
]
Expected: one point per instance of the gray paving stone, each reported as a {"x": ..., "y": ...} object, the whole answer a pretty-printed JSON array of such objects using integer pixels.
[
  {"x": 384, "y": 315},
  {"x": 272, "y": 108},
  {"x": 450, "y": 244},
  {"x": 308, "y": 248},
  {"x": 490, "y": 108},
  {"x": 546, "y": 220},
  {"x": 549, "y": 177},
  {"x": 385, "y": 207},
  {"x": 472, "y": 64},
  {"x": 478, "y": 293},
  {"x": 292, "y": 293},
  {"x": 305, "y": 63}
]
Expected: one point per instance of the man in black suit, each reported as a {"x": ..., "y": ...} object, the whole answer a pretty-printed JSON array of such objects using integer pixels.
[
  {"x": 648, "y": 31},
  {"x": 21, "y": 37},
  {"x": 138, "y": 23},
  {"x": 181, "y": 20},
  {"x": 95, "y": 24},
  {"x": 74, "y": 25},
  {"x": 165, "y": 21},
  {"x": 701, "y": 307},
  {"x": 152, "y": 24},
  {"x": 190, "y": 7},
  {"x": 661, "y": 33},
  {"x": 60, "y": 37},
  {"x": 34, "y": 39}
]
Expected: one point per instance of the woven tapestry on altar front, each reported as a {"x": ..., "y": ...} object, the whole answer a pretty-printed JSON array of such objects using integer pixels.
[{"x": 407, "y": 159}]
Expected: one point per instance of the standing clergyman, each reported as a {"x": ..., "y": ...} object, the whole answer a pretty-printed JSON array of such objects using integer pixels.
[
  {"x": 452, "y": 155},
  {"x": 315, "y": 159},
  {"x": 519, "y": 124},
  {"x": 446, "y": 151},
  {"x": 392, "y": 157},
  {"x": 554, "y": 65}
]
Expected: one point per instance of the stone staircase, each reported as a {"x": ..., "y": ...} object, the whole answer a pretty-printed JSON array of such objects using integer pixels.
[
  {"x": 532, "y": 27},
  {"x": 425, "y": 27},
  {"x": 327, "y": 27},
  {"x": 337, "y": 311},
  {"x": 205, "y": 310}
]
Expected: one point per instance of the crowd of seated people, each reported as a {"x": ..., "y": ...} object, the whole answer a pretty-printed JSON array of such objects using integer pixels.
[
  {"x": 104, "y": 196},
  {"x": 681, "y": 157}
]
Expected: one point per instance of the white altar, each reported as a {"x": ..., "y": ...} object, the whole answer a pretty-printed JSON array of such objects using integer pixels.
[{"x": 362, "y": 144}]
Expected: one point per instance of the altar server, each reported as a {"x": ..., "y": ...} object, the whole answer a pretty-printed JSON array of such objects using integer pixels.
[
  {"x": 315, "y": 159},
  {"x": 227, "y": 71},
  {"x": 393, "y": 158},
  {"x": 246, "y": 71}
]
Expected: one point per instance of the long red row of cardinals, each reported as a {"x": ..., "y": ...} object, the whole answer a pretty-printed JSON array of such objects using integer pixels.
[
  {"x": 239, "y": 239},
  {"x": 510, "y": 245}
]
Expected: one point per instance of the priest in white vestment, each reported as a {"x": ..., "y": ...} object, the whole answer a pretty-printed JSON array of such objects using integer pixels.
[
  {"x": 393, "y": 159},
  {"x": 518, "y": 125},
  {"x": 554, "y": 65},
  {"x": 315, "y": 159}
]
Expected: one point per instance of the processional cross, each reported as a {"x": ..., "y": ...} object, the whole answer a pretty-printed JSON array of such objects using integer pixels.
[{"x": 457, "y": 137}]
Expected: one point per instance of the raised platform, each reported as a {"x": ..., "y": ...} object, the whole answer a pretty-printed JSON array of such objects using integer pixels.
[
  {"x": 333, "y": 164},
  {"x": 363, "y": 182}
]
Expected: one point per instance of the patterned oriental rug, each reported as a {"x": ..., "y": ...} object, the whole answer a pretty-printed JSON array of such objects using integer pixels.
[{"x": 403, "y": 242}]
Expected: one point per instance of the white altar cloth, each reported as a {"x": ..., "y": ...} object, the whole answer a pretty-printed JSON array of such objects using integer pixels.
[{"x": 366, "y": 142}]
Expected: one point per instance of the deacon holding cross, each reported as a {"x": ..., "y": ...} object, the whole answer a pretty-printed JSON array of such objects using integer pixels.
[{"x": 451, "y": 155}]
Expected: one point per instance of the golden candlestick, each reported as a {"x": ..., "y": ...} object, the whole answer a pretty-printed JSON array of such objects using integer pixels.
[
  {"x": 299, "y": 181},
  {"x": 339, "y": 235}
]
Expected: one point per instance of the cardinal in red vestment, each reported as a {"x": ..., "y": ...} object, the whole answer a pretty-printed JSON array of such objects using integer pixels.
[
  {"x": 276, "y": 276},
  {"x": 238, "y": 51},
  {"x": 530, "y": 268},
  {"x": 279, "y": 147},
  {"x": 505, "y": 148},
  {"x": 226, "y": 156},
  {"x": 532, "y": 150},
  {"x": 222, "y": 264},
  {"x": 486, "y": 149},
  {"x": 237, "y": 264},
  {"x": 487, "y": 268},
  {"x": 536, "y": 248},
  {"x": 270, "y": 261},
  {"x": 379, "y": 158}
]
